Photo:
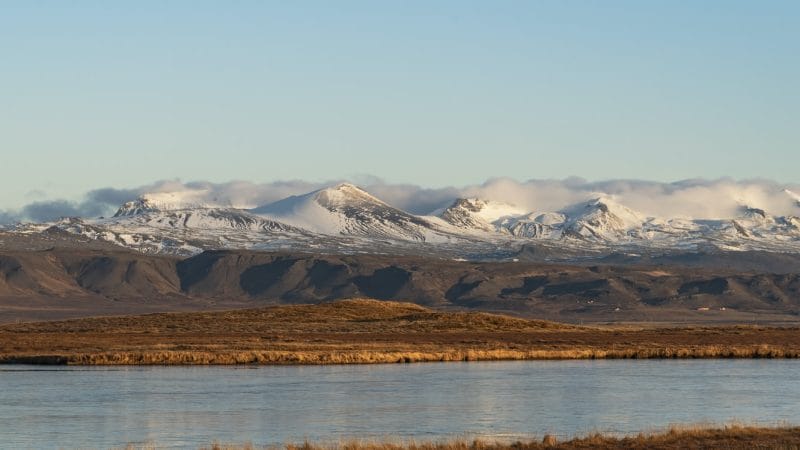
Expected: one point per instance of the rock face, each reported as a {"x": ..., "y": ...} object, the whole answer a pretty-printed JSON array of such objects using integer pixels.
[{"x": 70, "y": 282}]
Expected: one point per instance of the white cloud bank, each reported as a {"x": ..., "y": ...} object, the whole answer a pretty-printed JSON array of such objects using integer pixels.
[{"x": 700, "y": 199}]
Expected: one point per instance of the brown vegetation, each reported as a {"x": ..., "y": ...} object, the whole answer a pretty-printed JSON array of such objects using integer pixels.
[
  {"x": 729, "y": 437},
  {"x": 366, "y": 331}
]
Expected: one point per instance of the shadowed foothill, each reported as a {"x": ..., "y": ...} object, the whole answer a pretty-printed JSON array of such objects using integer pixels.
[{"x": 64, "y": 282}]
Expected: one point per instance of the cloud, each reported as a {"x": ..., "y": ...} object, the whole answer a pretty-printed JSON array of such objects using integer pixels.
[
  {"x": 45, "y": 211},
  {"x": 7, "y": 217},
  {"x": 411, "y": 198},
  {"x": 113, "y": 197},
  {"x": 695, "y": 198},
  {"x": 245, "y": 194},
  {"x": 105, "y": 201}
]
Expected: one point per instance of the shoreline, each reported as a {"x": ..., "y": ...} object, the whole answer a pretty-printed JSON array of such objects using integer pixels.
[
  {"x": 267, "y": 357},
  {"x": 713, "y": 436}
]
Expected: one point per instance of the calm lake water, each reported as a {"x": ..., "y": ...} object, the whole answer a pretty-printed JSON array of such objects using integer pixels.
[{"x": 76, "y": 407}]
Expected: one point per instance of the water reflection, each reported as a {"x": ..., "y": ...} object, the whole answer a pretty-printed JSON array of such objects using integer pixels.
[{"x": 188, "y": 406}]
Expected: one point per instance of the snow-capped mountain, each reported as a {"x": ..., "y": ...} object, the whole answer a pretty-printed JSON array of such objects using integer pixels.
[
  {"x": 348, "y": 210},
  {"x": 483, "y": 215},
  {"x": 599, "y": 219},
  {"x": 170, "y": 201},
  {"x": 198, "y": 219},
  {"x": 184, "y": 231},
  {"x": 548, "y": 226},
  {"x": 345, "y": 218}
]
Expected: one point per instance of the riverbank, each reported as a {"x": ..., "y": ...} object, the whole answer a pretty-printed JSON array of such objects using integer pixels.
[
  {"x": 729, "y": 437},
  {"x": 366, "y": 331}
]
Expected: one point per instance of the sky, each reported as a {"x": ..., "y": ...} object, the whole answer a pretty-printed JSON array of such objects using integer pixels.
[{"x": 97, "y": 95}]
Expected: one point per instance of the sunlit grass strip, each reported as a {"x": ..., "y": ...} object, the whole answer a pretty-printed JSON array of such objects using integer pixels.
[
  {"x": 147, "y": 357},
  {"x": 680, "y": 437}
]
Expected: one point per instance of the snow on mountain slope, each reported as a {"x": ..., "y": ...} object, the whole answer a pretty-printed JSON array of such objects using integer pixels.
[
  {"x": 185, "y": 231},
  {"x": 345, "y": 219},
  {"x": 757, "y": 224},
  {"x": 346, "y": 209},
  {"x": 171, "y": 201},
  {"x": 793, "y": 196},
  {"x": 473, "y": 213},
  {"x": 196, "y": 219},
  {"x": 601, "y": 218},
  {"x": 537, "y": 226}
]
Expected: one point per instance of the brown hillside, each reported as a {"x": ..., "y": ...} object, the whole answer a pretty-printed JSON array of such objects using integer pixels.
[{"x": 60, "y": 283}]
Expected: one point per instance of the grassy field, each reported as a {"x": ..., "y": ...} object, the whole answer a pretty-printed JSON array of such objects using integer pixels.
[{"x": 366, "y": 331}]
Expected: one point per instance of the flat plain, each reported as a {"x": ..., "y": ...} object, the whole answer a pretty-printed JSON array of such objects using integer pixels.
[{"x": 368, "y": 331}]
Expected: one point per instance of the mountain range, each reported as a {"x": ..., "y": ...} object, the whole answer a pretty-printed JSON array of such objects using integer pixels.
[{"x": 345, "y": 219}]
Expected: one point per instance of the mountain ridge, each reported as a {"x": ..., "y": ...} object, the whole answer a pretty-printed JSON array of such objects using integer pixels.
[{"x": 345, "y": 218}]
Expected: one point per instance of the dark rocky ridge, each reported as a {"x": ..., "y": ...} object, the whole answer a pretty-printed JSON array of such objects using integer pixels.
[{"x": 58, "y": 283}]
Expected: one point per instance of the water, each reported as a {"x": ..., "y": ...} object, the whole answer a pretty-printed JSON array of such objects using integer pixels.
[{"x": 76, "y": 407}]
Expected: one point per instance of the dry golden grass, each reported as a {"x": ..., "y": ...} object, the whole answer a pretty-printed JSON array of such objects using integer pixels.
[
  {"x": 727, "y": 437},
  {"x": 346, "y": 316},
  {"x": 384, "y": 357},
  {"x": 365, "y": 331}
]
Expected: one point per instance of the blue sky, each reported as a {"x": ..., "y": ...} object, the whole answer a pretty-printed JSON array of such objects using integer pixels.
[{"x": 97, "y": 94}]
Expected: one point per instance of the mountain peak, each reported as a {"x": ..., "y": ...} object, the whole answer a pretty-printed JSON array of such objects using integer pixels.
[
  {"x": 604, "y": 202},
  {"x": 139, "y": 206},
  {"x": 602, "y": 217},
  {"x": 344, "y": 194},
  {"x": 168, "y": 201},
  {"x": 478, "y": 213},
  {"x": 751, "y": 212},
  {"x": 345, "y": 186},
  {"x": 346, "y": 209},
  {"x": 608, "y": 205},
  {"x": 471, "y": 203}
]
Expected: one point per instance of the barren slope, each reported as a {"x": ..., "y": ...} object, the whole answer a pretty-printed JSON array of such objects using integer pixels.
[{"x": 67, "y": 282}]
